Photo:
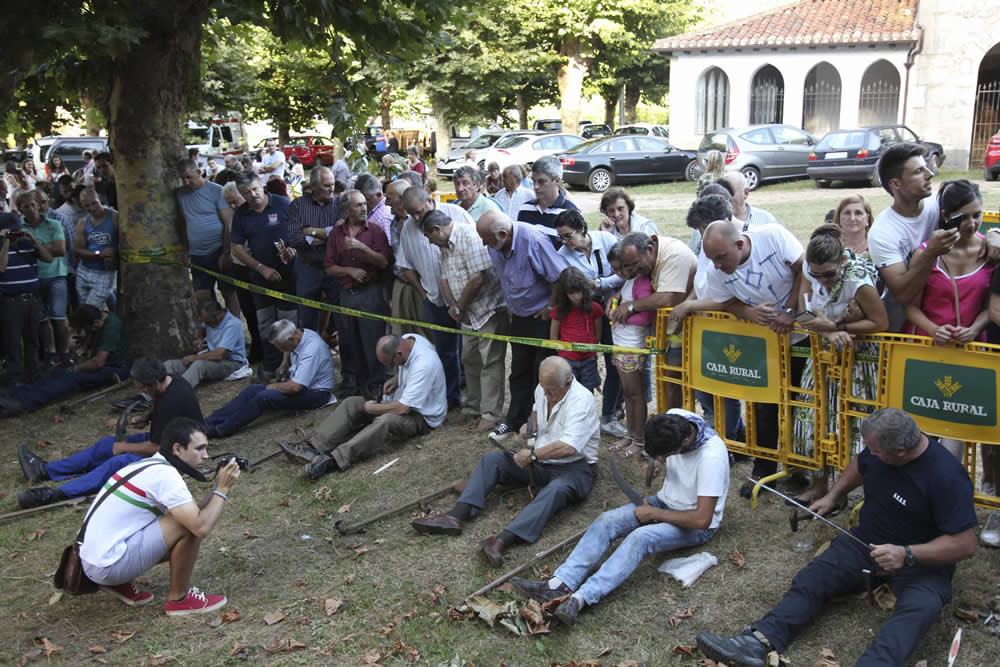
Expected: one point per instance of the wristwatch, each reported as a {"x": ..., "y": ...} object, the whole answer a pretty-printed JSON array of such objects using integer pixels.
[
  {"x": 910, "y": 560},
  {"x": 789, "y": 311},
  {"x": 631, "y": 307},
  {"x": 534, "y": 458}
]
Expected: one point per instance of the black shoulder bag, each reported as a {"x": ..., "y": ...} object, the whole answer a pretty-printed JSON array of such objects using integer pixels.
[{"x": 70, "y": 576}]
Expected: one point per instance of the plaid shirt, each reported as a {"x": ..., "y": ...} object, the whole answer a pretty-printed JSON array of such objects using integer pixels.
[{"x": 464, "y": 257}]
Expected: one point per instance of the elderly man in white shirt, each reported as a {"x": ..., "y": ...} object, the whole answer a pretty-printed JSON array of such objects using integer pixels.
[
  {"x": 560, "y": 464},
  {"x": 513, "y": 194}
]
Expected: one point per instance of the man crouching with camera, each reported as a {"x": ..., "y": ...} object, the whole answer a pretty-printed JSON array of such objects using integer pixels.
[{"x": 152, "y": 518}]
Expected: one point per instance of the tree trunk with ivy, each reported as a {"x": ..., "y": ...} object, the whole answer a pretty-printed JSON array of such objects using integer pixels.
[
  {"x": 570, "y": 76},
  {"x": 145, "y": 110}
]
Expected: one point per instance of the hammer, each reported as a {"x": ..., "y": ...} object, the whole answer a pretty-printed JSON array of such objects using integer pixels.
[{"x": 795, "y": 517}]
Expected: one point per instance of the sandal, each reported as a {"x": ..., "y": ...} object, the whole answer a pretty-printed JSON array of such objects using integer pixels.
[
  {"x": 620, "y": 444},
  {"x": 635, "y": 449}
]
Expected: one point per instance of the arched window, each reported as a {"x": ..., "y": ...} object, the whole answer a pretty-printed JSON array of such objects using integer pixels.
[
  {"x": 879, "y": 101},
  {"x": 821, "y": 100},
  {"x": 986, "y": 115},
  {"x": 711, "y": 101},
  {"x": 767, "y": 96}
]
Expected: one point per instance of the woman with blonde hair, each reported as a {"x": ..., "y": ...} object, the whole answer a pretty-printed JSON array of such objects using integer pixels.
[{"x": 715, "y": 168}]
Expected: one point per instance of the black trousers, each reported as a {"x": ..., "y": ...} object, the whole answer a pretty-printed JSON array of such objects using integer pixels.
[
  {"x": 524, "y": 362},
  {"x": 920, "y": 594},
  {"x": 557, "y": 485},
  {"x": 766, "y": 415},
  {"x": 21, "y": 315}
]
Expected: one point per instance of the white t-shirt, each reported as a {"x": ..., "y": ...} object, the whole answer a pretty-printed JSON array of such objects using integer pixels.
[
  {"x": 766, "y": 275},
  {"x": 703, "y": 472},
  {"x": 278, "y": 158},
  {"x": 624, "y": 334},
  {"x": 136, "y": 504},
  {"x": 892, "y": 239},
  {"x": 422, "y": 385},
  {"x": 573, "y": 420}
]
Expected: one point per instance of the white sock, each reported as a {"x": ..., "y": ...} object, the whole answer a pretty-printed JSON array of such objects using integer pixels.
[
  {"x": 579, "y": 598},
  {"x": 555, "y": 583}
]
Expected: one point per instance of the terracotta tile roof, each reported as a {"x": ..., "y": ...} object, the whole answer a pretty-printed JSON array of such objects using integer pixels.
[{"x": 807, "y": 22}]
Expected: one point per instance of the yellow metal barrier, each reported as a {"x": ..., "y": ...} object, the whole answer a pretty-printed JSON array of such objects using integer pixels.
[{"x": 950, "y": 390}]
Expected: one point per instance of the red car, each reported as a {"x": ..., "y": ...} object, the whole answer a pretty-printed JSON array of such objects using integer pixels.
[
  {"x": 309, "y": 149},
  {"x": 991, "y": 163}
]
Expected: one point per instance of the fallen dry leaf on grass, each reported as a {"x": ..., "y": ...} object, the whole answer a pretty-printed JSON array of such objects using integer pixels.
[
  {"x": 373, "y": 658},
  {"x": 826, "y": 659},
  {"x": 737, "y": 559},
  {"x": 344, "y": 509},
  {"x": 214, "y": 622},
  {"x": 506, "y": 587},
  {"x": 408, "y": 652},
  {"x": 57, "y": 419},
  {"x": 98, "y": 649},
  {"x": 44, "y": 443},
  {"x": 627, "y": 663},
  {"x": 287, "y": 502},
  {"x": 604, "y": 652},
  {"x": 49, "y": 647},
  {"x": 161, "y": 659},
  {"x": 323, "y": 493},
  {"x": 332, "y": 606},
  {"x": 112, "y": 422},
  {"x": 286, "y": 644},
  {"x": 250, "y": 536},
  {"x": 884, "y": 597},
  {"x": 437, "y": 596},
  {"x": 966, "y": 615},
  {"x": 409, "y": 616},
  {"x": 359, "y": 552},
  {"x": 37, "y": 534},
  {"x": 231, "y": 616},
  {"x": 683, "y": 648},
  {"x": 390, "y": 626},
  {"x": 274, "y": 617},
  {"x": 122, "y": 636},
  {"x": 55, "y": 597},
  {"x": 239, "y": 651},
  {"x": 534, "y": 617}
]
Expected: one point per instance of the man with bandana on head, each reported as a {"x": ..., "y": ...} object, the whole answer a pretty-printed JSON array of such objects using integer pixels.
[{"x": 685, "y": 513}]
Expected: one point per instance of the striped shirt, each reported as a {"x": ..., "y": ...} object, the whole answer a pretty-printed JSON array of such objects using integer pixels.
[
  {"x": 21, "y": 276},
  {"x": 69, "y": 231},
  {"x": 544, "y": 219},
  {"x": 418, "y": 254},
  {"x": 307, "y": 212},
  {"x": 134, "y": 505},
  {"x": 381, "y": 215},
  {"x": 464, "y": 257}
]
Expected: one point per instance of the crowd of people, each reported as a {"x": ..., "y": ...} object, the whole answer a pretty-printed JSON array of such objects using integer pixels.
[{"x": 508, "y": 260}]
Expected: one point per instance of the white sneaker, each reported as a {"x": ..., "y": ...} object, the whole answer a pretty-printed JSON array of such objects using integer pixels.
[
  {"x": 988, "y": 489},
  {"x": 613, "y": 428}
]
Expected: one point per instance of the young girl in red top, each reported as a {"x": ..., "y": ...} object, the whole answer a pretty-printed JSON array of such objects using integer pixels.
[{"x": 577, "y": 319}]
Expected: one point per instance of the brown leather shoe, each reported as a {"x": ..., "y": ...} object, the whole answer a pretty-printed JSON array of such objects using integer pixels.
[
  {"x": 442, "y": 524},
  {"x": 493, "y": 550},
  {"x": 485, "y": 426}
]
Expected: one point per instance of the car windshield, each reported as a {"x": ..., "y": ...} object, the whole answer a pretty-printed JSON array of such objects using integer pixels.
[
  {"x": 510, "y": 142},
  {"x": 549, "y": 125},
  {"x": 836, "y": 141},
  {"x": 714, "y": 142},
  {"x": 584, "y": 146},
  {"x": 482, "y": 141},
  {"x": 196, "y": 135},
  {"x": 631, "y": 130}
]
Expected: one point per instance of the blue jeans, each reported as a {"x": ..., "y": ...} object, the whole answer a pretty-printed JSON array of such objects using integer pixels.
[
  {"x": 734, "y": 419},
  {"x": 310, "y": 283},
  {"x": 446, "y": 345},
  {"x": 585, "y": 372},
  {"x": 254, "y": 400},
  {"x": 55, "y": 386},
  {"x": 203, "y": 281},
  {"x": 640, "y": 541},
  {"x": 92, "y": 466}
]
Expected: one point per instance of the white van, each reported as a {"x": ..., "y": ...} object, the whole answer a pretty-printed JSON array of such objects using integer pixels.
[{"x": 223, "y": 135}]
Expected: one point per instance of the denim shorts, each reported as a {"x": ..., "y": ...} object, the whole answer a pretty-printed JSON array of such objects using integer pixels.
[
  {"x": 55, "y": 297},
  {"x": 143, "y": 550},
  {"x": 203, "y": 281},
  {"x": 585, "y": 372}
]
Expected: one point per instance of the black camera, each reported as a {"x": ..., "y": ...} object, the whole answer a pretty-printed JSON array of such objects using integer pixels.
[{"x": 243, "y": 464}]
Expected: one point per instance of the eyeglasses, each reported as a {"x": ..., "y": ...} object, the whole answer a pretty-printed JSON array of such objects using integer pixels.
[
  {"x": 826, "y": 275},
  {"x": 567, "y": 236},
  {"x": 632, "y": 266}
]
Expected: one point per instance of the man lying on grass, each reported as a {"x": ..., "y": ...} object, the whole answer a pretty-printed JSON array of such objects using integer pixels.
[
  {"x": 685, "y": 513},
  {"x": 152, "y": 518}
]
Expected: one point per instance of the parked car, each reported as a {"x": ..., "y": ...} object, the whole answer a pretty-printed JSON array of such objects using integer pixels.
[
  {"x": 309, "y": 149},
  {"x": 594, "y": 130},
  {"x": 71, "y": 149},
  {"x": 991, "y": 161},
  {"x": 455, "y": 158},
  {"x": 525, "y": 149},
  {"x": 853, "y": 154},
  {"x": 548, "y": 125},
  {"x": 760, "y": 152},
  {"x": 649, "y": 129},
  {"x": 616, "y": 160}
]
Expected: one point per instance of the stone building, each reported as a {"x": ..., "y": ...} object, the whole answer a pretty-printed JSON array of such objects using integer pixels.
[{"x": 933, "y": 65}]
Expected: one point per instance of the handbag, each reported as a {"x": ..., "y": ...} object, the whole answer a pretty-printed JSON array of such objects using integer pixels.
[{"x": 69, "y": 576}]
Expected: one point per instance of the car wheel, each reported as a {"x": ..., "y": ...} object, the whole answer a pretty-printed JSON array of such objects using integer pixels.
[
  {"x": 933, "y": 163},
  {"x": 988, "y": 174},
  {"x": 691, "y": 171},
  {"x": 600, "y": 180},
  {"x": 822, "y": 183},
  {"x": 875, "y": 181},
  {"x": 752, "y": 174}
]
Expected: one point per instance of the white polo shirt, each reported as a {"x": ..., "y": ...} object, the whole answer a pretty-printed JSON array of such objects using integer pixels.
[
  {"x": 422, "y": 385},
  {"x": 574, "y": 420}
]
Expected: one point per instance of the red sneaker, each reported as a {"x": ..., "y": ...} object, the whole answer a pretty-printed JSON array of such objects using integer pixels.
[
  {"x": 129, "y": 594},
  {"x": 195, "y": 602}
]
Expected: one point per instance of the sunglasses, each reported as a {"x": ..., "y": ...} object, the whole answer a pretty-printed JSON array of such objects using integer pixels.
[{"x": 826, "y": 275}]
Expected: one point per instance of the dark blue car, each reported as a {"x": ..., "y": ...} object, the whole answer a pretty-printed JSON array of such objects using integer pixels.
[{"x": 619, "y": 160}]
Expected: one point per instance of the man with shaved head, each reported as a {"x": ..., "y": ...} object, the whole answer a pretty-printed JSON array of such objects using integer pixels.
[
  {"x": 756, "y": 276},
  {"x": 745, "y": 215},
  {"x": 527, "y": 266},
  {"x": 559, "y": 462}
]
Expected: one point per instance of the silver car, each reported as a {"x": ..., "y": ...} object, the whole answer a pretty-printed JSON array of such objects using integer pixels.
[
  {"x": 447, "y": 165},
  {"x": 760, "y": 152}
]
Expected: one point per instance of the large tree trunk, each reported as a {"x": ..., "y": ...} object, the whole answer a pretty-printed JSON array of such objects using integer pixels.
[
  {"x": 442, "y": 130},
  {"x": 570, "y": 76},
  {"x": 146, "y": 107},
  {"x": 90, "y": 116},
  {"x": 522, "y": 110},
  {"x": 284, "y": 134},
  {"x": 611, "y": 106},
  {"x": 632, "y": 94},
  {"x": 385, "y": 106}
]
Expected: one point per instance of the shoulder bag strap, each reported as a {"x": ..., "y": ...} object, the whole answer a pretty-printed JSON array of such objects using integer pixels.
[
  {"x": 600, "y": 264},
  {"x": 90, "y": 514}
]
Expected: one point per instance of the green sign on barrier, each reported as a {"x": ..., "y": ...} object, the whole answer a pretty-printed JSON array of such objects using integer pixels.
[
  {"x": 951, "y": 393},
  {"x": 734, "y": 359}
]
